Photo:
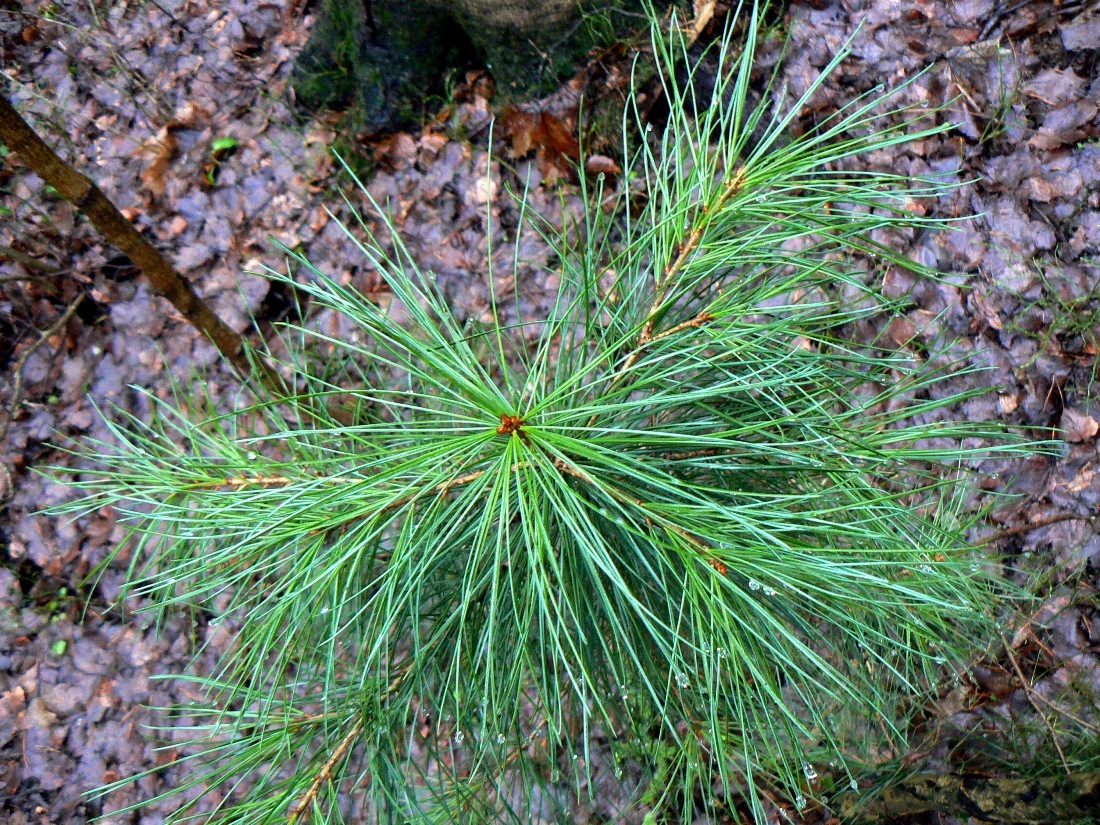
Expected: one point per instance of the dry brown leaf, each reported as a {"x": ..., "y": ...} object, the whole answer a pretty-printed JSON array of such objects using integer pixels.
[
  {"x": 432, "y": 142},
  {"x": 162, "y": 147},
  {"x": 986, "y": 310},
  {"x": 1078, "y": 426},
  {"x": 902, "y": 331},
  {"x": 552, "y": 138},
  {"x": 485, "y": 190},
  {"x": 188, "y": 115},
  {"x": 520, "y": 128},
  {"x": 1008, "y": 403},
  {"x": 395, "y": 150},
  {"x": 602, "y": 163},
  {"x": 1083, "y": 480},
  {"x": 704, "y": 11}
]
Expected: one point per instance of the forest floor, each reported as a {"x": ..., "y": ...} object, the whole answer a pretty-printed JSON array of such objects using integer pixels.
[{"x": 180, "y": 111}]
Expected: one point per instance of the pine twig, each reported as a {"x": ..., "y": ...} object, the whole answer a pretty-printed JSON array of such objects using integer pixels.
[
  {"x": 325, "y": 773},
  {"x": 687, "y": 248}
]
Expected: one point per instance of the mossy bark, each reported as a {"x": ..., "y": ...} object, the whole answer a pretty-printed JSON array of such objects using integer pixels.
[
  {"x": 985, "y": 798},
  {"x": 389, "y": 59}
]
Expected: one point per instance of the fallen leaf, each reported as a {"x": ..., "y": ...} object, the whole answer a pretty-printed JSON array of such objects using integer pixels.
[
  {"x": 601, "y": 164},
  {"x": 162, "y": 147},
  {"x": 986, "y": 310},
  {"x": 557, "y": 138},
  {"x": 188, "y": 115},
  {"x": 1083, "y": 480},
  {"x": 519, "y": 127},
  {"x": 704, "y": 11},
  {"x": 552, "y": 139},
  {"x": 432, "y": 142},
  {"x": 396, "y": 150},
  {"x": 902, "y": 330},
  {"x": 1078, "y": 426},
  {"x": 485, "y": 190},
  {"x": 1055, "y": 86}
]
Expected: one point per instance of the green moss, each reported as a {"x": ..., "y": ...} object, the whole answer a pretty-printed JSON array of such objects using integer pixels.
[
  {"x": 389, "y": 59},
  {"x": 324, "y": 73}
]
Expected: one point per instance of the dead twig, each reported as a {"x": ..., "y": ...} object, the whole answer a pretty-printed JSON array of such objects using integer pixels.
[
  {"x": 1027, "y": 528},
  {"x": 1026, "y": 685},
  {"x": 26, "y": 260},
  {"x": 81, "y": 192},
  {"x": 16, "y": 399},
  {"x": 325, "y": 774}
]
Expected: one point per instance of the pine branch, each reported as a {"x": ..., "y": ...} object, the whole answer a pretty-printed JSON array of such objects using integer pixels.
[{"x": 325, "y": 774}]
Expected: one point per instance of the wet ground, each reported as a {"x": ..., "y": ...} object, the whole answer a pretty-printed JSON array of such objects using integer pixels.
[{"x": 179, "y": 110}]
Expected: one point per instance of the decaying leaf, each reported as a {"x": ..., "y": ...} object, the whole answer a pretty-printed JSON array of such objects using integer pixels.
[
  {"x": 161, "y": 148},
  {"x": 1078, "y": 426},
  {"x": 555, "y": 145},
  {"x": 187, "y": 116},
  {"x": 595, "y": 164}
]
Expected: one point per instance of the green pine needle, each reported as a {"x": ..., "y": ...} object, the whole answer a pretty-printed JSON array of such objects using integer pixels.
[{"x": 692, "y": 515}]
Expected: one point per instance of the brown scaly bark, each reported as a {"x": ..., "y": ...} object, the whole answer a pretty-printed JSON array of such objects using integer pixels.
[
  {"x": 1052, "y": 799},
  {"x": 82, "y": 193}
]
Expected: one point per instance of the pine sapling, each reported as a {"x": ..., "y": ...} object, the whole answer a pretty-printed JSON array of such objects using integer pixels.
[{"x": 694, "y": 516}]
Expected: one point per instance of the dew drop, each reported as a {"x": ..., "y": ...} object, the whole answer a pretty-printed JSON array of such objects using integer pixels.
[
  {"x": 682, "y": 680},
  {"x": 575, "y": 757},
  {"x": 500, "y": 738},
  {"x": 618, "y": 773},
  {"x": 975, "y": 568},
  {"x": 251, "y": 456},
  {"x": 459, "y": 737},
  {"x": 721, "y": 653},
  {"x": 924, "y": 568},
  {"x": 853, "y": 785},
  {"x": 754, "y": 584},
  {"x": 808, "y": 769},
  {"x": 769, "y": 591},
  {"x": 800, "y": 802}
]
